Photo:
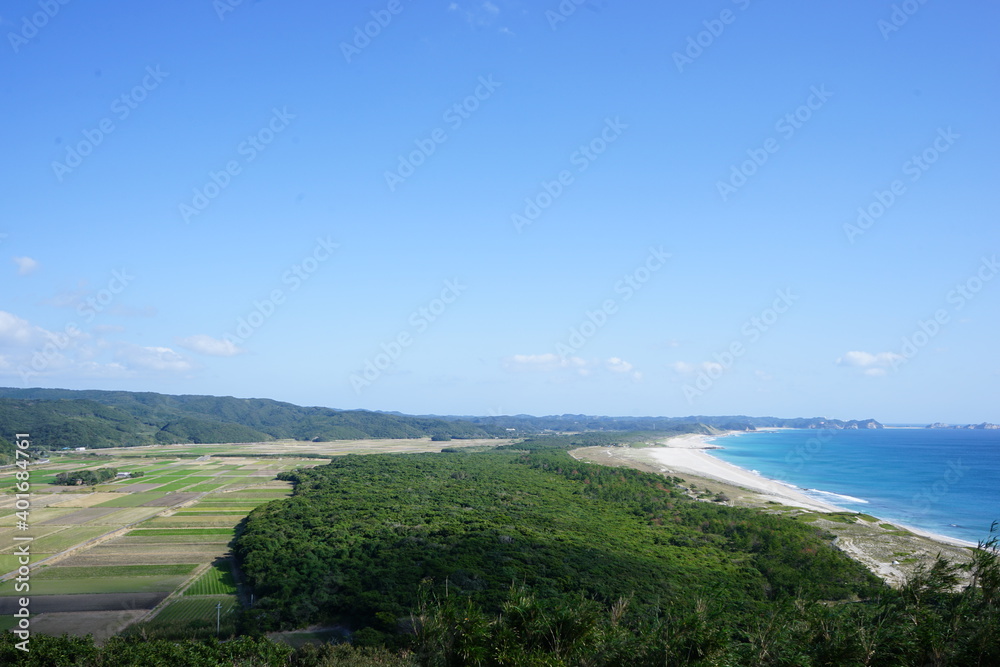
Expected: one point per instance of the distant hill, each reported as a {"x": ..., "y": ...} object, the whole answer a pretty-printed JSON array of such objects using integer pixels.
[
  {"x": 59, "y": 418},
  {"x": 572, "y": 423}
]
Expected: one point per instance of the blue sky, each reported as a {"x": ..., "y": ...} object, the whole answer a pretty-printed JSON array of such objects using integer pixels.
[{"x": 507, "y": 207}]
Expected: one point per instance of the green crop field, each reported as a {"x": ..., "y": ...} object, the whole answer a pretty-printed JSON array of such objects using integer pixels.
[
  {"x": 218, "y": 580},
  {"x": 209, "y": 486},
  {"x": 97, "y": 585},
  {"x": 174, "y": 486},
  {"x": 196, "y": 612},
  {"x": 97, "y": 571},
  {"x": 200, "y": 520},
  {"x": 158, "y": 532},
  {"x": 132, "y": 499},
  {"x": 200, "y": 538},
  {"x": 66, "y": 538}
]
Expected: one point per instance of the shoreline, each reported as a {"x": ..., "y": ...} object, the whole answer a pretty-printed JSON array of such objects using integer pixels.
[
  {"x": 692, "y": 454},
  {"x": 889, "y": 549}
]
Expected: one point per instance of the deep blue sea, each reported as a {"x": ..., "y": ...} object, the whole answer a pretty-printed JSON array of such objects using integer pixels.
[{"x": 942, "y": 480}]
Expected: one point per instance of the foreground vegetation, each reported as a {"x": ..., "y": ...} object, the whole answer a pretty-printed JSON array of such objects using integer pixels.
[{"x": 520, "y": 556}]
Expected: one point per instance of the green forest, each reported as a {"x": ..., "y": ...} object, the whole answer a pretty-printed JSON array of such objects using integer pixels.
[
  {"x": 525, "y": 556},
  {"x": 88, "y": 477},
  {"x": 530, "y": 557},
  {"x": 59, "y": 418}
]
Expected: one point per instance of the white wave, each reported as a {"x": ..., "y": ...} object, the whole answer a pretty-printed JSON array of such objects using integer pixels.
[{"x": 838, "y": 495}]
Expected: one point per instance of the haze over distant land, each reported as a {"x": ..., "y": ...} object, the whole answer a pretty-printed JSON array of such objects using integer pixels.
[{"x": 497, "y": 207}]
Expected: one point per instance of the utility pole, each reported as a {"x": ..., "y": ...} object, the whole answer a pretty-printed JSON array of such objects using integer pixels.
[{"x": 218, "y": 618}]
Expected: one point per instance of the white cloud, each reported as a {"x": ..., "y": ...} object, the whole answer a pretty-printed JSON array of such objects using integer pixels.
[
  {"x": 622, "y": 367},
  {"x": 682, "y": 367},
  {"x": 215, "y": 347},
  {"x": 25, "y": 265},
  {"x": 616, "y": 365},
  {"x": 549, "y": 362},
  {"x": 867, "y": 360},
  {"x": 16, "y": 331},
  {"x": 152, "y": 358},
  {"x": 30, "y": 351}
]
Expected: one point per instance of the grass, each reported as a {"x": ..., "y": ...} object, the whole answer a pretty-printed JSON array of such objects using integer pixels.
[{"x": 218, "y": 580}]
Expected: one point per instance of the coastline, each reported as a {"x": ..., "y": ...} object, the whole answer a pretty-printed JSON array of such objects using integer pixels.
[
  {"x": 690, "y": 454},
  {"x": 889, "y": 549},
  {"x": 703, "y": 464}
]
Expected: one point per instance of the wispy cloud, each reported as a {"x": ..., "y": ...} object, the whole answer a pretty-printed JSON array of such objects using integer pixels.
[
  {"x": 214, "y": 347},
  {"x": 152, "y": 358},
  {"x": 25, "y": 265},
  {"x": 551, "y": 363},
  {"x": 872, "y": 365}
]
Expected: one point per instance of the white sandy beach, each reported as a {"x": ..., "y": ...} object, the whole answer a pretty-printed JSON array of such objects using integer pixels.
[{"x": 689, "y": 454}]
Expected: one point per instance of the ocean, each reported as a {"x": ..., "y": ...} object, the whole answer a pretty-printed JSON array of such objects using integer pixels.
[{"x": 946, "y": 481}]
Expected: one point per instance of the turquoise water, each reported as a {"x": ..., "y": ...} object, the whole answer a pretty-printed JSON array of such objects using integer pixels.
[{"x": 942, "y": 480}]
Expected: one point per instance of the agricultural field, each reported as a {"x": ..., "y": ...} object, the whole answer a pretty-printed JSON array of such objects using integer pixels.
[
  {"x": 152, "y": 552},
  {"x": 107, "y": 556}
]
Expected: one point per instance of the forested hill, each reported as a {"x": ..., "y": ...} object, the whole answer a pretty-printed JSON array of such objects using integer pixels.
[
  {"x": 573, "y": 423},
  {"x": 68, "y": 418},
  {"x": 93, "y": 418}
]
